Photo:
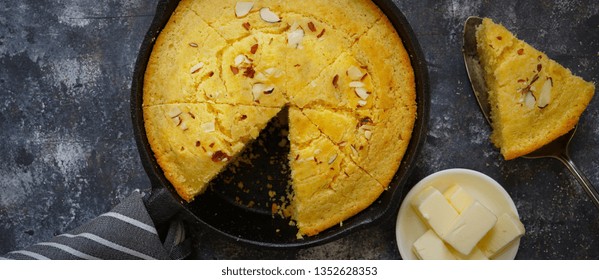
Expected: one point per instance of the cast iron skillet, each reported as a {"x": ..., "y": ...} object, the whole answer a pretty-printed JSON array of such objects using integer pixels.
[{"x": 224, "y": 208}]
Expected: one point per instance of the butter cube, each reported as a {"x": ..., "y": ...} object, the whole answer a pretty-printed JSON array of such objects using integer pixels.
[
  {"x": 459, "y": 198},
  {"x": 430, "y": 247},
  {"x": 434, "y": 209},
  {"x": 469, "y": 228},
  {"x": 476, "y": 254},
  {"x": 507, "y": 230}
]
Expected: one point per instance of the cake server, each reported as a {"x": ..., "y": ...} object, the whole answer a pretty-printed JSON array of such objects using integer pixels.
[{"x": 558, "y": 149}]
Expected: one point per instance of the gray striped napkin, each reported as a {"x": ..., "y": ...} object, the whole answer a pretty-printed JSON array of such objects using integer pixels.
[{"x": 126, "y": 232}]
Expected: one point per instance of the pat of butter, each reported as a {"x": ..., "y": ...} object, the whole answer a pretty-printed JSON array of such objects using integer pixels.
[
  {"x": 469, "y": 228},
  {"x": 430, "y": 247},
  {"x": 459, "y": 198},
  {"x": 476, "y": 254},
  {"x": 434, "y": 209},
  {"x": 507, "y": 229}
]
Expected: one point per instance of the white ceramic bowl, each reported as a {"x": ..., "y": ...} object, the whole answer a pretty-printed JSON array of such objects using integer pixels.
[{"x": 409, "y": 226}]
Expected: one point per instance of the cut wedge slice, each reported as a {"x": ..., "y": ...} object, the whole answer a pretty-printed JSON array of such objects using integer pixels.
[
  {"x": 534, "y": 100},
  {"x": 370, "y": 138},
  {"x": 328, "y": 187},
  {"x": 193, "y": 142}
]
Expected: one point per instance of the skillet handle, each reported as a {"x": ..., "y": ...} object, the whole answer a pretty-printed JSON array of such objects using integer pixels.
[{"x": 161, "y": 206}]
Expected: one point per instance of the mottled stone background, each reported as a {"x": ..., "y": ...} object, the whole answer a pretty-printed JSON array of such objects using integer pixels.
[{"x": 67, "y": 151}]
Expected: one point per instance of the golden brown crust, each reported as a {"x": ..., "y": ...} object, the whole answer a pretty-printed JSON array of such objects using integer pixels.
[{"x": 213, "y": 64}]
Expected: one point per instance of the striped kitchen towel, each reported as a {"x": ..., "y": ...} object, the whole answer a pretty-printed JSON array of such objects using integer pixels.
[{"x": 126, "y": 232}]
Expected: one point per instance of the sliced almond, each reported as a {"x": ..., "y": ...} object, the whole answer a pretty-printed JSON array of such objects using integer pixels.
[
  {"x": 355, "y": 73},
  {"x": 362, "y": 93},
  {"x": 258, "y": 90},
  {"x": 183, "y": 126},
  {"x": 332, "y": 158},
  {"x": 295, "y": 38},
  {"x": 368, "y": 134},
  {"x": 356, "y": 85},
  {"x": 320, "y": 34},
  {"x": 354, "y": 151},
  {"x": 240, "y": 59},
  {"x": 267, "y": 15},
  {"x": 208, "y": 127},
  {"x": 545, "y": 94},
  {"x": 177, "y": 120},
  {"x": 174, "y": 112},
  {"x": 243, "y": 8},
  {"x": 529, "y": 100},
  {"x": 269, "y": 89},
  {"x": 366, "y": 127},
  {"x": 254, "y": 49},
  {"x": 196, "y": 67},
  {"x": 362, "y": 103}
]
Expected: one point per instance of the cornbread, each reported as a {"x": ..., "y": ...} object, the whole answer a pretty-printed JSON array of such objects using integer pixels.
[
  {"x": 534, "y": 100},
  {"x": 220, "y": 70}
]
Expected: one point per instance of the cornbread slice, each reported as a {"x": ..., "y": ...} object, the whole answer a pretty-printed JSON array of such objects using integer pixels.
[
  {"x": 328, "y": 187},
  {"x": 222, "y": 17},
  {"x": 337, "y": 86},
  {"x": 370, "y": 138},
  {"x": 381, "y": 51},
  {"x": 253, "y": 72},
  {"x": 309, "y": 51},
  {"x": 187, "y": 67},
  {"x": 193, "y": 142},
  {"x": 352, "y": 18},
  {"x": 534, "y": 100}
]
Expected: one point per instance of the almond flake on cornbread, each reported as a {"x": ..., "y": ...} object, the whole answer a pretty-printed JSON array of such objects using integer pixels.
[
  {"x": 356, "y": 84},
  {"x": 295, "y": 37},
  {"x": 194, "y": 69},
  {"x": 208, "y": 127},
  {"x": 362, "y": 93},
  {"x": 267, "y": 15},
  {"x": 243, "y": 8},
  {"x": 354, "y": 73},
  {"x": 246, "y": 26},
  {"x": 240, "y": 59},
  {"x": 320, "y": 34},
  {"x": 332, "y": 159},
  {"x": 174, "y": 112},
  {"x": 254, "y": 49},
  {"x": 545, "y": 94}
]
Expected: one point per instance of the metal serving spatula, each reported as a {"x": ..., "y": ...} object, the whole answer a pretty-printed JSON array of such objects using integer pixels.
[{"x": 557, "y": 149}]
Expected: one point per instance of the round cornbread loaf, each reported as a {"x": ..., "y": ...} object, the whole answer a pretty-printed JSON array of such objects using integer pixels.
[{"x": 217, "y": 75}]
